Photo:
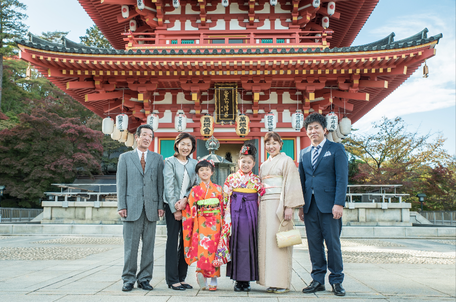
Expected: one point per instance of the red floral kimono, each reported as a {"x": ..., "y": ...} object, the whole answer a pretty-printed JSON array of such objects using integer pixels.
[{"x": 202, "y": 224}]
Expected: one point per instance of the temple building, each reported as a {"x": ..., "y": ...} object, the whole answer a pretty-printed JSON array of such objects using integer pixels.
[{"x": 229, "y": 69}]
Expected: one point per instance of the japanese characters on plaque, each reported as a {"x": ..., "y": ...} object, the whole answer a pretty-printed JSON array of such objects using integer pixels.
[
  {"x": 207, "y": 125},
  {"x": 225, "y": 103},
  {"x": 242, "y": 125}
]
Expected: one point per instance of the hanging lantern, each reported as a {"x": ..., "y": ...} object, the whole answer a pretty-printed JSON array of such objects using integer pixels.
[
  {"x": 270, "y": 121},
  {"x": 242, "y": 125},
  {"x": 180, "y": 121},
  {"x": 152, "y": 120},
  {"x": 207, "y": 125},
  {"x": 130, "y": 140},
  {"x": 123, "y": 137},
  {"x": 345, "y": 126},
  {"x": 425, "y": 70},
  {"x": 141, "y": 41},
  {"x": 297, "y": 120},
  {"x": 339, "y": 134},
  {"x": 125, "y": 11},
  {"x": 316, "y": 3},
  {"x": 318, "y": 40},
  {"x": 115, "y": 135},
  {"x": 325, "y": 22},
  {"x": 336, "y": 139},
  {"x": 331, "y": 8},
  {"x": 225, "y": 3},
  {"x": 122, "y": 122},
  {"x": 135, "y": 144},
  {"x": 273, "y": 2},
  {"x": 329, "y": 136},
  {"x": 331, "y": 121},
  {"x": 140, "y": 4},
  {"x": 107, "y": 126},
  {"x": 176, "y": 3},
  {"x": 133, "y": 25}
]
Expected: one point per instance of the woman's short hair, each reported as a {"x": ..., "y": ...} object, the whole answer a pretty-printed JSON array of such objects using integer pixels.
[
  {"x": 315, "y": 117},
  {"x": 179, "y": 138},
  {"x": 202, "y": 164},
  {"x": 248, "y": 149}
]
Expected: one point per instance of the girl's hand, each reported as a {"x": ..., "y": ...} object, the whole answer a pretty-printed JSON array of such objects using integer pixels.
[{"x": 288, "y": 214}]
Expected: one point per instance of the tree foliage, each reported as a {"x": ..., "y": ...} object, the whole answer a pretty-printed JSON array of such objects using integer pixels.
[
  {"x": 45, "y": 148},
  {"x": 95, "y": 38},
  {"x": 54, "y": 36}
]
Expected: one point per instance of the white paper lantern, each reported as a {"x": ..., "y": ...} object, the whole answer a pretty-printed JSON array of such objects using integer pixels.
[
  {"x": 125, "y": 11},
  {"x": 152, "y": 120},
  {"x": 107, "y": 126},
  {"x": 130, "y": 140},
  {"x": 331, "y": 121},
  {"x": 317, "y": 40},
  {"x": 225, "y": 3},
  {"x": 176, "y": 3},
  {"x": 273, "y": 2},
  {"x": 180, "y": 121},
  {"x": 345, "y": 126},
  {"x": 123, "y": 137},
  {"x": 315, "y": 3},
  {"x": 133, "y": 25},
  {"x": 270, "y": 121},
  {"x": 297, "y": 120},
  {"x": 331, "y": 8},
  {"x": 325, "y": 22},
  {"x": 140, "y": 4},
  {"x": 135, "y": 144},
  {"x": 115, "y": 135},
  {"x": 339, "y": 134},
  {"x": 336, "y": 139},
  {"x": 122, "y": 122},
  {"x": 329, "y": 136}
]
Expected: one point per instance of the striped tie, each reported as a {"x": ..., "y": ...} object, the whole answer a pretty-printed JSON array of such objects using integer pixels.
[{"x": 315, "y": 153}]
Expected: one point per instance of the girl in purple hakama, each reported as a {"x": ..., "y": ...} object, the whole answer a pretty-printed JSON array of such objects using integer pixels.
[{"x": 241, "y": 191}]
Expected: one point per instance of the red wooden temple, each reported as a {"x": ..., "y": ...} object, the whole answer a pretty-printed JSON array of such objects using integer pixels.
[{"x": 184, "y": 56}]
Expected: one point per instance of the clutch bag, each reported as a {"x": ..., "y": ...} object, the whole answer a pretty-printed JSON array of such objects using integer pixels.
[{"x": 288, "y": 238}]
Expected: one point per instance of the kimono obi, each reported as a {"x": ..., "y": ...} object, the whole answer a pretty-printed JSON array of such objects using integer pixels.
[
  {"x": 273, "y": 184},
  {"x": 208, "y": 207},
  {"x": 245, "y": 190}
]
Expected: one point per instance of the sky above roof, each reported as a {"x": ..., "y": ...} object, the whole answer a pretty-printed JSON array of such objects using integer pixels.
[{"x": 426, "y": 104}]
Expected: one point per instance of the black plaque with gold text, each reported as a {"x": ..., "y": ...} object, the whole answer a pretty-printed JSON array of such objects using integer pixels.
[{"x": 225, "y": 103}]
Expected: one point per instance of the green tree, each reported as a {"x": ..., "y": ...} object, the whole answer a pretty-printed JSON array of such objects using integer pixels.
[
  {"x": 11, "y": 28},
  {"x": 54, "y": 36},
  {"x": 45, "y": 148},
  {"x": 95, "y": 38}
]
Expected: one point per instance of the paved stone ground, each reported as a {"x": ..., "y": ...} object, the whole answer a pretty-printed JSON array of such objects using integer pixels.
[{"x": 77, "y": 268}]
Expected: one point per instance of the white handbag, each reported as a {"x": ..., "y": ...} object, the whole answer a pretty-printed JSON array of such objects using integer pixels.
[{"x": 288, "y": 238}]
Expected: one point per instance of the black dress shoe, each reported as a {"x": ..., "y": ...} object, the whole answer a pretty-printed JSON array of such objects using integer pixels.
[
  {"x": 338, "y": 289},
  {"x": 313, "y": 287},
  {"x": 238, "y": 287},
  {"x": 178, "y": 287},
  {"x": 186, "y": 286},
  {"x": 127, "y": 287},
  {"x": 145, "y": 285},
  {"x": 246, "y": 286}
]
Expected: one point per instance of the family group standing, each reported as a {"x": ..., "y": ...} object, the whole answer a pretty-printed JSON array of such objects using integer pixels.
[{"x": 235, "y": 224}]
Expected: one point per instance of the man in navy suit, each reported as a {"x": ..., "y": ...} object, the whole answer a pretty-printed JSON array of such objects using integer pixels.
[{"x": 323, "y": 169}]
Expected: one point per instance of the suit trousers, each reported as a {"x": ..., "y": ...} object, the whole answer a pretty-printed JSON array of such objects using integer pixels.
[
  {"x": 133, "y": 231},
  {"x": 175, "y": 265},
  {"x": 322, "y": 226}
]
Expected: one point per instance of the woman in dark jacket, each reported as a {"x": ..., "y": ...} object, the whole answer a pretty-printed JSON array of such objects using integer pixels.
[{"x": 179, "y": 178}]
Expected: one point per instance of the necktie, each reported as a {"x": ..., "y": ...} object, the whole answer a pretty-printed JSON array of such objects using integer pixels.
[
  {"x": 315, "y": 155},
  {"x": 143, "y": 162}
]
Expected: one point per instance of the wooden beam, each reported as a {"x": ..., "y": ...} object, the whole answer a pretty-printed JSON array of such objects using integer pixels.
[
  {"x": 103, "y": 96},
  {"x": 80, "y": 85},
  {"x": 351, "y": 95},
  {"x": 373, "y": 84},
  {"x": 119, "y": 2}
]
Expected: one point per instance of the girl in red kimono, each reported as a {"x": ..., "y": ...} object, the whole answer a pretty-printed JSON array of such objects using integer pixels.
[{"x": 202, "y": 224}]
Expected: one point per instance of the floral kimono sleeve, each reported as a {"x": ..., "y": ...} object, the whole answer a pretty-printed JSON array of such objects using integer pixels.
[{"x": 188, "y": 222}]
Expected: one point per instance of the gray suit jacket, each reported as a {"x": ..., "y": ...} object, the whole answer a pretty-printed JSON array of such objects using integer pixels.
[
  {"x": 137, "y": 189},
  {"x": 174, "y": 174}
]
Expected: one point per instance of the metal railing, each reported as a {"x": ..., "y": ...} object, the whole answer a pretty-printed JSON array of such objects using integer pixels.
[
  {"x": 8, "y": 215},
  {"x": 440, "y": 217},
  {"x": 374, "y": 193}
]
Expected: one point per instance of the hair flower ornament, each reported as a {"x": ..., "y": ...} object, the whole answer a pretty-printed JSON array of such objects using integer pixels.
[{"x": 245, "y": 150}]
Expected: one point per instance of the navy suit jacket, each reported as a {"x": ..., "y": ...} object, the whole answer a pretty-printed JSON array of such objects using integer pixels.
[{"x": 329, "y": 180}]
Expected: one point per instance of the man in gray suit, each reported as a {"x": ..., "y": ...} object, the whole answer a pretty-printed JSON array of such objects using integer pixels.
[{"x": 140, "y": 204}]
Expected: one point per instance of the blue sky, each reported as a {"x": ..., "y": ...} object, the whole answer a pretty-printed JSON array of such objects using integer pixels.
[{"x": 426, "y": 105}]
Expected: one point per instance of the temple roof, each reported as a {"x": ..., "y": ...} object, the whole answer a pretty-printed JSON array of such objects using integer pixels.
[{"x": 386, "y": 43}]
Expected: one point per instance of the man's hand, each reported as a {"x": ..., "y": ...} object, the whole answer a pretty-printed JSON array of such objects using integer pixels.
[
  {"x": 178, "y": 215},
  {"x": 301, "y": 213},
  {"x": 123, "y": 213},
  {"x": 288, "y": 214},
  {"x": 337, "y": 211},
  {"x": 161, "y": 213},
  {"x": 181, "y": 204}
]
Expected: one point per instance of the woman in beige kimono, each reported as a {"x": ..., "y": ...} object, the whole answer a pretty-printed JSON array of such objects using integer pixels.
[{"x": 280, "y": 178}]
